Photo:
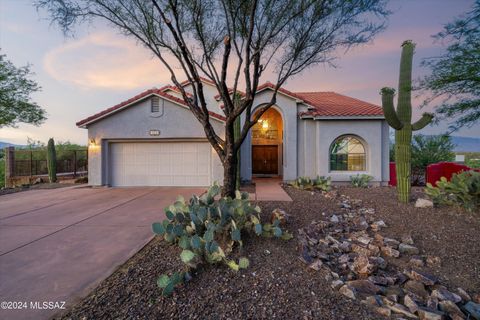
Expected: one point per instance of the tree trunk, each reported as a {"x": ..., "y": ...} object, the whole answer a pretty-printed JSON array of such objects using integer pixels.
[{"x": 229, "y": 175}]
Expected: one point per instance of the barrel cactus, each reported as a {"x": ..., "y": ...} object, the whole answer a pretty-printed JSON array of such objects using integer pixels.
[
  {"x": 51, "y": 161},
  {"x": 401, "y": 119}
]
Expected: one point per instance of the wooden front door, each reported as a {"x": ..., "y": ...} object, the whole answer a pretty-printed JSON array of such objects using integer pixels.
[{"x": 265, "y": 159}]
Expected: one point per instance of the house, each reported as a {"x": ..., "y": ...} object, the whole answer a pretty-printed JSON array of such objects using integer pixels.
[{"x": 153, "y": 139}]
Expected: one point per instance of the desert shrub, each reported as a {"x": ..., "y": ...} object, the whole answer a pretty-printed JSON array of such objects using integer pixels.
[
  {"x": 360, "y": 180},
  {"x": 473, "y": 163},
  {"x": 208, "y": 231},
  {"x": 427, "y": 150},
  {"x": 319, "y": 183},
  {"x": 462, "y": 190}
]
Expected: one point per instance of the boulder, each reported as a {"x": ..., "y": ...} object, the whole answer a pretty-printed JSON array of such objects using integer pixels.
[
  {"x": 423, "y": 203},
  {"x": 407, "y": 249}
]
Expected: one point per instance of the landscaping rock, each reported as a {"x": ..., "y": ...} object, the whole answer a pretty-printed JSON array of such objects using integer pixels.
[
  {"x": 416, "y": 261},
  {"x": 428, "y": 314},
  {"x": 347, "y": 292},
  {"x": 451, "y": 309},
  {"x": 423, "y": 203},
  {"x": 364, "y": 286},
  {"x": 316, "y": 265},
  {"x": 443, "y": 294},
  {"x": 336, "y": 284},
  {"x": 410, "y": 303},
  {"x": 386, "y": 312},
  {"x": 463, "y": 294},
  {"x": 416, "y": 289},
  {"x": 425, "y": 278},
  {"x": 433, "y": 261},
  {"x": 473, "y": 309},
  {"x": 361, "y": 265},
  {"x": 407, "y": 249},
  {"x": 334, "y": 219},
  {"x": 391, "y": 242},
  {"x": 281, "y": 215},
  {"x": 407, "y": 239},
  {"x": 390, "y": 252},
  {"x": 398, "y": 308},
  {"x": 361, "y": 250}
]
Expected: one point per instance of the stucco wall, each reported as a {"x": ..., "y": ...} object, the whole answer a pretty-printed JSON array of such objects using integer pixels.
[
  {"x": 135, "y": 123},
  {"x": 318, "y": 135},
  {"x": 288, "y": 109}
]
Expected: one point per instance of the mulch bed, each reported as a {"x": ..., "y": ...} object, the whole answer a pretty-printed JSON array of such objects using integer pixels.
[{"x": 277, "y": 284}]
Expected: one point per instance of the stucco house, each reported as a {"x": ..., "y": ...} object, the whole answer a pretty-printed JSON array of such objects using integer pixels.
[{"x": 153, "y": 139}]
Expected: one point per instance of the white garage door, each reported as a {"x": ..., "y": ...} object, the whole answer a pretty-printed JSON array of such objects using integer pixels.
[{"x": 160, "y": 164}]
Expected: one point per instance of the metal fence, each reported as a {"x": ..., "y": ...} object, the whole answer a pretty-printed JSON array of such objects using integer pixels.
[{"x": 34, "y": 162}]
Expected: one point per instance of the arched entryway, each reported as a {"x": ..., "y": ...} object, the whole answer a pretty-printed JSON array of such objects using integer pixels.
[{"x": 267, "y": 144}]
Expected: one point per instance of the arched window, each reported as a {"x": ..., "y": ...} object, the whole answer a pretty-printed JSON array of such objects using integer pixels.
[{"x": 347, "y": 153}]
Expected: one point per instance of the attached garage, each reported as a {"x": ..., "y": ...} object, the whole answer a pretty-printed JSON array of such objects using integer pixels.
[{"x": 160, "y": 164}]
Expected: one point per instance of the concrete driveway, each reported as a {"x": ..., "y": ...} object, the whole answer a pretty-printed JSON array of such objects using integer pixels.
[{"x": 56, "y": 245}]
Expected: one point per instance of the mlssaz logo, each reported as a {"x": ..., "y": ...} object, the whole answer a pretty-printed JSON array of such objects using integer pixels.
[{"x": 47, "y": 305}]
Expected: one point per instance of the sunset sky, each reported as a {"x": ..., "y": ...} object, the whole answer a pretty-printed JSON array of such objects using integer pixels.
[{"x": 99, "y": 68}]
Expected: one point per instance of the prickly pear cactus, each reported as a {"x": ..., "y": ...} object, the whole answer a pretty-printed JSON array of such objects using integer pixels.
[
  {"x": 51, "y": 161},
  {"x": 401, "y": 119}
]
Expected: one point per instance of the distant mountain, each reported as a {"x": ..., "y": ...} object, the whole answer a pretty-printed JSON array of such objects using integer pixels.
[
  {"x": 465, "y": 144},
  {"x": 7, "y": 144}
]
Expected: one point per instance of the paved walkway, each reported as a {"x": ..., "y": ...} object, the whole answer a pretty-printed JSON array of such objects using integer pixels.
[
  {"x": 269, "y": 189},
  {"x": 56, "y": 245}
]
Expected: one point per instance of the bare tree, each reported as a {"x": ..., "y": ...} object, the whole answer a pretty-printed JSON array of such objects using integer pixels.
[{"x": 234, "y": 40}]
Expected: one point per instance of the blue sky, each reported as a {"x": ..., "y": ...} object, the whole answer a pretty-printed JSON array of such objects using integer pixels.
[{"x": 99, "y": 68}]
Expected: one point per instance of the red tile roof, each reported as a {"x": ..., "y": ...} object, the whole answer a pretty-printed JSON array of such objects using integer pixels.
[
  {"x": 329, "y": 104},
  {"x": 321, "y": 104},
  {"x": 139, "y": 97}
]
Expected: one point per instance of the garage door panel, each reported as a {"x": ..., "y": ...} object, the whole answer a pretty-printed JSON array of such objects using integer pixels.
[{"x": 160, "y": 164}]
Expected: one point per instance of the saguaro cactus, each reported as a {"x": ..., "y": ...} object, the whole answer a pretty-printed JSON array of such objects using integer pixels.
[
  {"x": 51, "y": 161},
  {"x": 401, "y": 119}
]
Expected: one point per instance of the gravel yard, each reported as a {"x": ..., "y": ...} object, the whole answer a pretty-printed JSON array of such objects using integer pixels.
[{"x": 277, "y": 284}]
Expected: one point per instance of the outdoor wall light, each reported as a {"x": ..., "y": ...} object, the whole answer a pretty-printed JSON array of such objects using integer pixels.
[
  {"x": 265, "y": 125},
  {"x": 92, "y": 143}
]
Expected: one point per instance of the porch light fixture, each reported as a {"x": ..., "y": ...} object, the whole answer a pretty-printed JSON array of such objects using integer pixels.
[
  {"x": 265, "y": 125},
  {"x": 92, "y": 143}
]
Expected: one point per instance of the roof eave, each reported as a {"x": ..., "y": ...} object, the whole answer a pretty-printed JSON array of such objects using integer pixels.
[
  {"x": 85, "y": 124},
  {"x": 357, "y": 117}
]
